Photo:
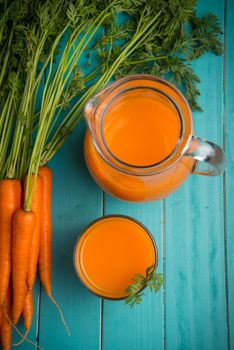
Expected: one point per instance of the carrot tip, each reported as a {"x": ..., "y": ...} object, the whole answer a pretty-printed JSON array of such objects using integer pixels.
[
  {"x": 22, "y": 340},
  {"x": 61, "y": 314},
  {"x": 21, "y": 335},
  {"x": 15, "y": 320}
]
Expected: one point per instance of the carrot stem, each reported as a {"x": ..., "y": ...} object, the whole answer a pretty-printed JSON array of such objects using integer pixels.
[{"x": 144, "y": 30}]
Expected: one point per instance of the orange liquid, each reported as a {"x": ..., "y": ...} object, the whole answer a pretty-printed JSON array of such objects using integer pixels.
[
  {"x": 142, "y": 129},
  {"x": 110, "y": 253}
]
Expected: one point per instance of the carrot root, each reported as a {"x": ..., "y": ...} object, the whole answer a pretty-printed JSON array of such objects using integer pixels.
[
  {"x": 27, "y": 314},
  {"x": 46, "y": 237},
  {"x": 22, "y": 340},
  {"x": 34, "y": 248},
  {"x": 23, "y": 227},
  {"x": 28, "y": 310},
  {"x": 61, "y": 314},
  {"x": 10, "y": 197},
  {"x": 6, "y": 326},
  {"x": 45, "y": 229},
  {"x": 22, "y": 336}
]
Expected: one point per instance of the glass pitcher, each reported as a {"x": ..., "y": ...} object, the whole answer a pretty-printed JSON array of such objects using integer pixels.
[{"x": 179, "y": 152}]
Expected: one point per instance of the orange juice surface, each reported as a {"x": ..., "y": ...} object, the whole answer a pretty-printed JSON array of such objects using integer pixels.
[
  {"x": 141, "y": 128},
  {"x": 110, "y": 253}
]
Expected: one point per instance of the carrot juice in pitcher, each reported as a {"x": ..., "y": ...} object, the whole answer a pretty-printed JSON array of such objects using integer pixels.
[
  {"x": 140, "y": 143},
  {"x": 140, "y": 130}
]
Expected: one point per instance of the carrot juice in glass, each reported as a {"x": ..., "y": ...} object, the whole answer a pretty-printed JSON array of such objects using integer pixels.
[
  {"x": 110, "y": 252},
  {"x": 140, "y": 144}
]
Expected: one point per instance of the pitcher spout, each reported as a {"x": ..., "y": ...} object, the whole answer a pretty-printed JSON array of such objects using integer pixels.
[
  {"x": 89, "y": 113},
  {"x": 94, "y": 107}
]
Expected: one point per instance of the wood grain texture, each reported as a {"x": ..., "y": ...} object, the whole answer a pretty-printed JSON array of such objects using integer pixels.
[
  {"x": 76, "y": 202},
  {"x": 140, "y": 328},
  {"x": 195, "y": 269},
  {"x": 229, "y": 178}
]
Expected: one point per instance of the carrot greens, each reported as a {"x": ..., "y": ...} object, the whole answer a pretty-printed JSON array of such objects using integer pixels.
[
  {"x": 57, "y": 85},
  {"x": 154, "y": 39},
  {"x": 158, "y": 37}
]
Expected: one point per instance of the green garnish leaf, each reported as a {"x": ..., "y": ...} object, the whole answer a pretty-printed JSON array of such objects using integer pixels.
[{"x": 153, "y": 280}]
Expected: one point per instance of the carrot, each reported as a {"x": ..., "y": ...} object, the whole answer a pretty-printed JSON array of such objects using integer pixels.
[
  {"x": 23, "y": 226},
  {"x": 28, "y": 310},
  {"x": 28, "y": 315},
  {"x": 34, "y": 248},
  {"x": 46, "y": 236},
  {"x": 46, "y": 229},
  {"x": 10, "y": 196},
  {"x": 6, "y": 327}
]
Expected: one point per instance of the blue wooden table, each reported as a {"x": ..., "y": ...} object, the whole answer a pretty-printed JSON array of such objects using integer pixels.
[{"x": 193, "y": 228}]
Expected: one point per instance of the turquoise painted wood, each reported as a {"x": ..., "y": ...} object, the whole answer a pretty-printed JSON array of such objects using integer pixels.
[
  {"x": 229, "y": 177},
  {"x": 193, "y": 229},
  {"x": 195, "y": 262}
]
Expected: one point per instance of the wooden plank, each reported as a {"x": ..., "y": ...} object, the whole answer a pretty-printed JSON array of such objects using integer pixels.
[
  {"x": 195, "y": 270},
  {"x": 229, "y": 183},
  {"x": 76, "y": 202},
  {"x": 141, "y": 327}
]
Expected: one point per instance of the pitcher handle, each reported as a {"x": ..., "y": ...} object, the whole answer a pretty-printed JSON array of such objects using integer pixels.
[{"x": 210, "y": 158}]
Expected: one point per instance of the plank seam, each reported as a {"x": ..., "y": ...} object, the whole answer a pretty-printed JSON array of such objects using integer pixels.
[
  {"x": 39, "y": 316},
  {"x": 164, "y": 272},
  {"x": 101, "y": 300},
  {"x": 101, "y": 324},
  {"x": 224, "y": 182}
]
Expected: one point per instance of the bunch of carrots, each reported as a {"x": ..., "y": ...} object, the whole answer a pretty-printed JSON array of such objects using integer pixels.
[{"x": 25, "y": 241}]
